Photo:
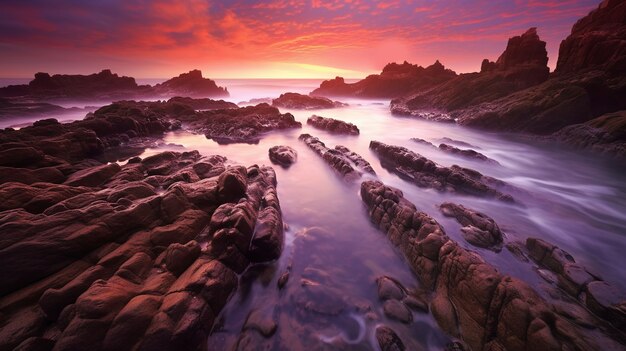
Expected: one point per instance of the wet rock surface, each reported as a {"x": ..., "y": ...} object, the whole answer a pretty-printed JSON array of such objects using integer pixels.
[
  {"x": 467, "y": 153},
  {"x": 304, "y": 102},
  {"x": 142, "y": 255},
  {"x": 283, "y": 155},
  {"x": 218, "y": 120},
  {"x": 471, "y": 299},
  {"x": 425, "y": 173},
  {"x": 345, "y": 162},
  {"x": 478, "y": 228},
  {"x": 598, "y": 296},
  {"x": 333, "y": 125}
]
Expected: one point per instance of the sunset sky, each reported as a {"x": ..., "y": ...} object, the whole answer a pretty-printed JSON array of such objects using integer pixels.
[{"x": 268, "y": 39}]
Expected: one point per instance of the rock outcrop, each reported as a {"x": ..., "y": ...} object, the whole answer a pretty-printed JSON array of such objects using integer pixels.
[
  {"x": 283, "y": 155},
  {"x": 521, "y": 65},
  {"x": 471, "y": 299},
  {"x": 225, "y": 125},
  {"x": 478, "y": 228},
  {"x": 348, "y": 164},
  {"x": 143, "y": 255},
  {"x": 395, "y": 80},
  {"x": 597, "y": 41},
  {"x": 304, "y": 102},
  {"x": 333, "y": 125},
  {"x": 190, "y": 84},
  {"x": 425, "y": 173},
  {"x": 12, "y": 107},
  {"x": 605, "y": 134},
  {"x": 600, "y": 297}
]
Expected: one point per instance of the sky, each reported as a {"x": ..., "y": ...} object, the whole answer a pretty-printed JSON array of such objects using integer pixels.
[{"x": 268, "y": 39}]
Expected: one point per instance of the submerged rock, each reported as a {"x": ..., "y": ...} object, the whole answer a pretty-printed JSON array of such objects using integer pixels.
[
  {"x": 304, "y": 102},
  {"x": 283, "y": 155},
  {"x": 388, "y": 340},
  {"x": 425, "y": 173},
  {"x": 333, "y": 125}
]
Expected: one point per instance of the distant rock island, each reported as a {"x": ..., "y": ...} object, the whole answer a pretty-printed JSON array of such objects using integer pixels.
[{"x": 107, "y": 86}]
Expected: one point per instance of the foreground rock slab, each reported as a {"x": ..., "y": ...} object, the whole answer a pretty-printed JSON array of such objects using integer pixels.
[{"x": 138, "y": 256}]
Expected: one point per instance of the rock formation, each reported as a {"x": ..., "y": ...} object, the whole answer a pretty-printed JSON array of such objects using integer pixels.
[
  {"x": 425, "y": 173},
  {"x": 190, "y": 84},
  {"x": 395, "y": 80},
  {"x": 466, "y": 153},
  {"x": 471, "y": 299},
  {"x": 605, "y": 134},
  {"x": 478, "y": 228},
  {"x": 283, "y": 155},
  {"x": 522, "y": 64},
  {"x": 109, "y": 86},
  {"x": 333, "y": 125},
  {"x": 597, "y": 41},
  {"x": 348, "y": 164},
  {"x": 304, "y": 102},
  {"x": 231, "y": 124}
]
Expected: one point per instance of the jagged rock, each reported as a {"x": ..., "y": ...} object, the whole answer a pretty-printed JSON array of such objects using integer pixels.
[
  {"x": 472, "y": 300},
  {"x": 425, "y": 173},
  {"x": 283, "y": 155},
  {"x": 304, "y": 102},
  {"x": 333, "y": 125},
  {"x": 395, "y": 80},
  {"x": 597, "y": 41},
  {"x": 522, "y": 65},
  {"x": 467, "y": 153},
  {"x": 478, "y": 228}
]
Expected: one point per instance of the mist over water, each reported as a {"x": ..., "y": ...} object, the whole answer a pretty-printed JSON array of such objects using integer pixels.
[{"x": 572, "y": 199}]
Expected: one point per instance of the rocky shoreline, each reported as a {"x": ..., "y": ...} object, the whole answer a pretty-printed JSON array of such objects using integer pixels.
[{"x": 517, "y": 93}]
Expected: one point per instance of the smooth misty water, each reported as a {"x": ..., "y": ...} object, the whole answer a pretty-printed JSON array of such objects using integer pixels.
[{"x": 574, "y": 200}]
